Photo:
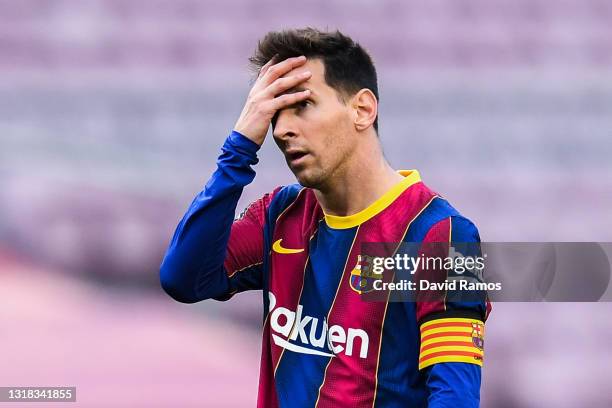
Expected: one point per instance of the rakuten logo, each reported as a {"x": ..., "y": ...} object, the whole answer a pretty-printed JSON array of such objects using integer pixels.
[{"x": 322, "y": 341}]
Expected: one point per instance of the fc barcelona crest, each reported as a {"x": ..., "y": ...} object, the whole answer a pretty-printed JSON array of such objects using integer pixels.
[
  {"x": 478, "y": 335},
  {"x": 362, "y": 279}
]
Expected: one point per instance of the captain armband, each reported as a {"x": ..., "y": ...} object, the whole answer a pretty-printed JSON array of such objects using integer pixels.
[{"x": 451, "y": 340}]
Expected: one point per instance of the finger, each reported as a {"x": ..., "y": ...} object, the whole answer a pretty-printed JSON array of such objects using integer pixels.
[
  {"x": 267, "y": 65},
  {"x": 278, "y": 70},
  {"x": 283, "y": 84},
  {"x": 289, "y": 99}
]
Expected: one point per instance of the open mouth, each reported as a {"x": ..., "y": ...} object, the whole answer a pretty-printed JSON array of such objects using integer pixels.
[{"x": 296, "y": 157}]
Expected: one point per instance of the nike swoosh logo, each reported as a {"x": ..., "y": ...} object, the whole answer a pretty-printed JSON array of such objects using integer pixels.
[{"x": 276, "y": 247}]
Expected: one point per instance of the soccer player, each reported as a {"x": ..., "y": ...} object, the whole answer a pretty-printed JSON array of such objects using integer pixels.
[{"x": 323, "y": 345}]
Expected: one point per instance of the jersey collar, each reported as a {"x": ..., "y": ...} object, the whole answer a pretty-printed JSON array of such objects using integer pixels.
[{"x": 343, "y": 222}]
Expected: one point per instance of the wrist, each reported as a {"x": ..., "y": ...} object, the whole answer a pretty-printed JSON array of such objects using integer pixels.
[
  {"x": 243, "y": 142},
  {"x": 251, "y": 131}
]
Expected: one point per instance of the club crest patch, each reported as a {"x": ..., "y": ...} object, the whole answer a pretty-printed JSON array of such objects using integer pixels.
[
  {"x": 478, "y": 335},
  {"x": 362, "y": 279}
]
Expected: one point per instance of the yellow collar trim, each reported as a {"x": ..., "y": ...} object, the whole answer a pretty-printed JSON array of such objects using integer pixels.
[{"x": 343, "y": 222}]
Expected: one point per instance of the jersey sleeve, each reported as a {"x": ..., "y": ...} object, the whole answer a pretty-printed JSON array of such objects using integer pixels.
[
  {"x": 451, "y": 326},
  {"x": 245, "y": 249},
  {"x": 211, "y": 255}
]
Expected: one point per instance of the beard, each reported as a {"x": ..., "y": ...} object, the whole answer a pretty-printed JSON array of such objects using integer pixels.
[
  {"x": 318, "y": 176},
  {"x": 311, "y": 177}
]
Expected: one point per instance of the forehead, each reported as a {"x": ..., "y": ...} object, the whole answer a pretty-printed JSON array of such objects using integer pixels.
[{"x": 317, "y": 81}]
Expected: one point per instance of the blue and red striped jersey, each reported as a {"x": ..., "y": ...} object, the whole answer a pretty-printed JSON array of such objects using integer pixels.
[{"x": 323, "y": 345}]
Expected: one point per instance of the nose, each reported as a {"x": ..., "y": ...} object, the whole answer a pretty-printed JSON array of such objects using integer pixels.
[{"x": 284, "y": 126}]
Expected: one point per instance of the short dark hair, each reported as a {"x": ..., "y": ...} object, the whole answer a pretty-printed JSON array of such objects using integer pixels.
[{"x": 348, "y": 67}]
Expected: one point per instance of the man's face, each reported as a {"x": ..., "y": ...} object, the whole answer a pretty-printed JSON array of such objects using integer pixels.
[{"x": 315, "y": 135}]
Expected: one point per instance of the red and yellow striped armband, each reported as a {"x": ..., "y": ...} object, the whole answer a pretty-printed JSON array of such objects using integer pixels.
[{"x": 451, "y": 340}]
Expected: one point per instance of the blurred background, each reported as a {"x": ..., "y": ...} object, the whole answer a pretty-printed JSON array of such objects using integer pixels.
[{"x": 112, "y": 113}]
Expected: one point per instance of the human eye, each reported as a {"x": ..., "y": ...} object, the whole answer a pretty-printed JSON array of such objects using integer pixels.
[{"x": 302, "y": 104}]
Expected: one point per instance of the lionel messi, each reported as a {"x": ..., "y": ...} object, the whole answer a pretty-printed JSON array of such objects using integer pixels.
[{"x": 323, "y": 345}]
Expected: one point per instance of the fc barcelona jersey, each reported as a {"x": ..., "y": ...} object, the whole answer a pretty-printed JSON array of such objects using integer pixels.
[{"x": 322, "y": 344}]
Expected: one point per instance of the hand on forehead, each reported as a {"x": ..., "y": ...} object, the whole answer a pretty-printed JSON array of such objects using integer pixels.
[{"x": 313, "y": 65}]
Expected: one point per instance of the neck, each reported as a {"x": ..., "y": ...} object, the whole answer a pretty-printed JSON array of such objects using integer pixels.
[{"x": 360, "y": 181}]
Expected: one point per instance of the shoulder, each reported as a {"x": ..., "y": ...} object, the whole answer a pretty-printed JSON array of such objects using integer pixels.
[
  {"x": 439, "y": 220},
  {"x": 294, "y": 207},
  {"x": 283, "y": 197},
  {"x": 454, "y": 228},
  {"x": 294, "y": 198}
]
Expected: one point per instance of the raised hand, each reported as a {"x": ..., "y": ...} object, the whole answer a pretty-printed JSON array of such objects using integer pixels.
[{"x": 266, "y": 97}]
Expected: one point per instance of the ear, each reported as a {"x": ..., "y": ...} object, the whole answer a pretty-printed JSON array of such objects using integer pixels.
[{"x": 365, "y": 107}]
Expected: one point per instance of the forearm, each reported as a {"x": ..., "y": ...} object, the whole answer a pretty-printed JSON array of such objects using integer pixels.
[{"x": 192, "y": 269}]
